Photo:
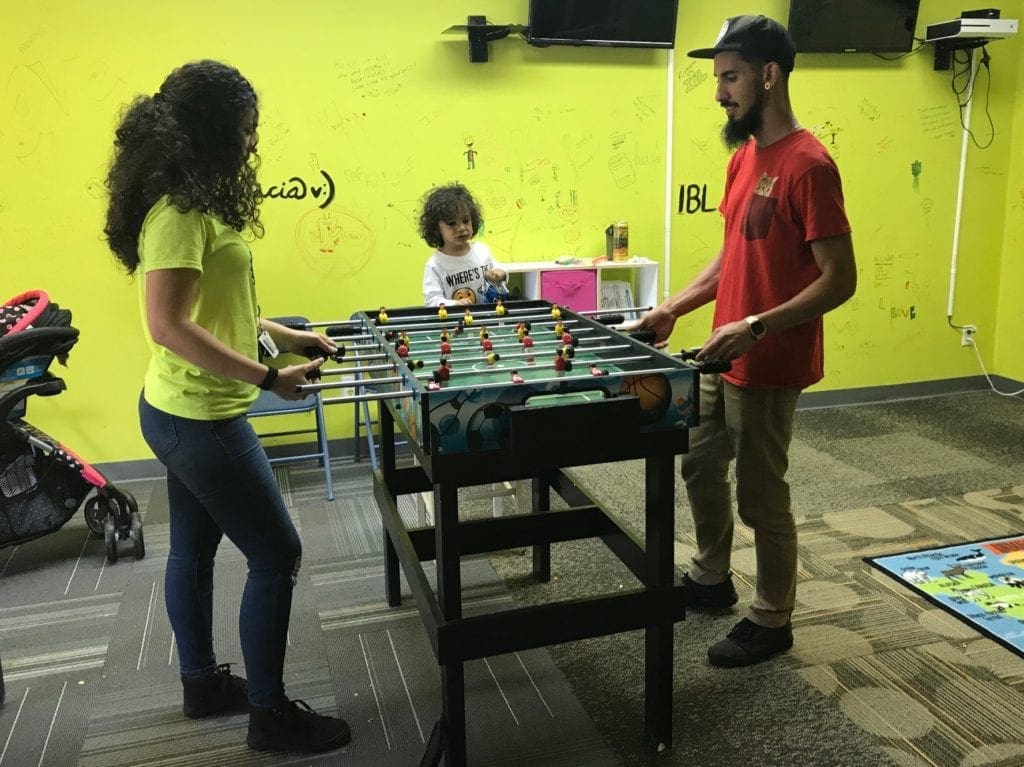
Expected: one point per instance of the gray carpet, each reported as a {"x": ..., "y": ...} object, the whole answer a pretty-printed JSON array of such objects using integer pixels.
[
  {"x": 91, "y": 669},
  {"x": 877, "y": 676}
]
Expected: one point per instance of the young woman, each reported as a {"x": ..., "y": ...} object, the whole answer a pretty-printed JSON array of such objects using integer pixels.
[{"x": 182, "y": 189}]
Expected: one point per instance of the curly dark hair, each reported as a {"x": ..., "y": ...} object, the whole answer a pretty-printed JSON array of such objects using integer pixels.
[
  {"x": 445, "y": 203},
  {"x": 186, "y": 141}
]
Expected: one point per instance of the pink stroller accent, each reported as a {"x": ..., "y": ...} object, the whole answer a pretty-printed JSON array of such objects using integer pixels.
[{"x": 42, "y": 482}]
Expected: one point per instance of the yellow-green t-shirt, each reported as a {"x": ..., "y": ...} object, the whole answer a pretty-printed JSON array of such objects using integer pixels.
[{"x": 225, "y": 305}]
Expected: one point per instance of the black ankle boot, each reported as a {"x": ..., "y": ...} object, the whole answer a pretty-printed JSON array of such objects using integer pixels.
[
  {"x": 218, "y": 692},
  {"x": 294, "y": 726}
]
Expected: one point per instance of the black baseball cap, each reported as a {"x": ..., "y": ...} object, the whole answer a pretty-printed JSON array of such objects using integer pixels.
[{"x": 756, "y": 36}]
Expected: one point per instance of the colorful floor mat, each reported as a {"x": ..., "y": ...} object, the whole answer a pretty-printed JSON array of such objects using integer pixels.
[{"x": 981, "y": 583}]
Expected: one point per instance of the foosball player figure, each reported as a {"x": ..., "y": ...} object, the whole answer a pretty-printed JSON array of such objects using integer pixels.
[
  {"x": 487, "y": 344},
  {"x": 444, "y": 336},
  {"x": 499, "y": 308},
  {"x": 442, "y": 312},
  {"x": 493, "y": 357},
  {"x": 561, "y": 363},
  {"x": 389, "y": 335},
  {"x": 446, "y": 348},
  {"x": 483, "y": 332},
  {"x": 432, "y": 385},
  {"x": 443, "y": 373},
  {"x": 567, "y": 339},
  {"x": 556, "y": 313},
  {"x": 569, "y": 352},
  {"x": 468, "y": 317},
  {"x": 559, "y": 329},
  {"x": 516, "y": 378},
  {"x": 527, "y": 341},
  {"x": 404, "y": 338},
  {"x": 596, "y": 371},
  {"x": 382, "y": 316},
  {"x": 460, "y": 326},
  {"x": 402, "y": 350},
  {"x": 521, "y": 330},
  {"x": 414, "y": 364}
]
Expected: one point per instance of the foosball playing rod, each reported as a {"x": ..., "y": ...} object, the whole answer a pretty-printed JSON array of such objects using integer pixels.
[
  {"x": 358, "y": 384},
  {"x": 537, "y": 350},
  {"x": 366, "y": 397},
  {"x": 456, "y": 373},
  {"x": 532, "y": 313},
  {"x": 415, "y": 332}
]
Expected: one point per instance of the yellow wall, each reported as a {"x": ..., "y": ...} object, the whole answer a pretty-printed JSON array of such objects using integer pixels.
[
  {"x": 1008, "y": 360},
  {"x": 567, "y": 140}
]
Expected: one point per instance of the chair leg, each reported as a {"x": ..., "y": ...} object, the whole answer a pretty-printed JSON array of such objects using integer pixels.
[
  {"x": 321, "y": 432},
  {"x": 356, "y": 432},
  {"x": 371, "y": 445}
]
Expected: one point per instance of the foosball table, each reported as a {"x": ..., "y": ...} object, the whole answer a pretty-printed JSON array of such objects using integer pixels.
[{"x": 513, "y": 392}]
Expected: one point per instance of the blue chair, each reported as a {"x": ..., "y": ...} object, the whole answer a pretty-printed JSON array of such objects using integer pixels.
[{"x": 269, "y": 404}]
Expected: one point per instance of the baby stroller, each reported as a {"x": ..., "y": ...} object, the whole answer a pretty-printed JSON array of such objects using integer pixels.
[{"x": 42, "y": 482}]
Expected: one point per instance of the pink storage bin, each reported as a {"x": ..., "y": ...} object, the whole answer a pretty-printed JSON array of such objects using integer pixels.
[{"x": 575, "y": 289}]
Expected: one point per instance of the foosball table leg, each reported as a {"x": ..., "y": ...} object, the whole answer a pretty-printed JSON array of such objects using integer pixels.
[
  {"x": 541, "y": 501},
  {"x": 392, "y": 580}
]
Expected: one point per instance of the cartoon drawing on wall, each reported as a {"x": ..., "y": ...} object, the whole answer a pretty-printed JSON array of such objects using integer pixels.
[
  {"x": 334, "y": 243},
  {"x": 869, "y": 110},
  {"x": 31, "y": 99},
  {"x": 95, "y": 188},
  {"x": 622, "y": 170},
  {"x": 827, "y": 133},
  {"x": 470, "y": 154},
  {"x": 915, "y": 171}
]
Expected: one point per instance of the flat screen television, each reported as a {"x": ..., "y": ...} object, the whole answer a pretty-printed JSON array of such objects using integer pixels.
[
  {"x": 853, "y": 26},
  {"x": 614, "y": 23}
]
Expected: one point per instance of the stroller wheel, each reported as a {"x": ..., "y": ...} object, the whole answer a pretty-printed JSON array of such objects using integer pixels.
[
  {"x": 110, "y": 539},
  {"x": 96, "y": 511},
  {"x": 136, "y": 534}
]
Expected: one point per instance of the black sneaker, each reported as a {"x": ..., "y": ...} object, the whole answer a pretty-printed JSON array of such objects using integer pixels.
[
  {"x": 748, "y": 643},
  {"x": 294, "y": 726},
  {"x": 718, "y": 596},
  {"x": 218, "y": 692}
]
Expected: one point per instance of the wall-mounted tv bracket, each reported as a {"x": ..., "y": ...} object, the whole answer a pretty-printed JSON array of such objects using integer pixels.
[{"x": 480, "y": 33}]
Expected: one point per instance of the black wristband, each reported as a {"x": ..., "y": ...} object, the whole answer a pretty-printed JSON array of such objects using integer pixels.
[{"x": 268, "y": 380}]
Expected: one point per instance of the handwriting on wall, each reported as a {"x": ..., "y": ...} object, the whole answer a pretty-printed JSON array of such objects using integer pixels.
[
  {"x": 693, "y": 198},
  {"x": 296, "y": 188}
]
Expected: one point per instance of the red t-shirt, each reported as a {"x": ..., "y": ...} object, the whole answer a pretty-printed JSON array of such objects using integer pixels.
[{"x": 778, "y": 199}]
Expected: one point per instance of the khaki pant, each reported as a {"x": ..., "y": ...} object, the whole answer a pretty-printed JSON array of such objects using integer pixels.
[{"x": 752, "y": 427}]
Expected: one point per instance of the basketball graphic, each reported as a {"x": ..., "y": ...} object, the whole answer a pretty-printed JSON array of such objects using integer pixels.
[
  {"x": 488, "y": 428},
  {"x": 654, "y": 392}
]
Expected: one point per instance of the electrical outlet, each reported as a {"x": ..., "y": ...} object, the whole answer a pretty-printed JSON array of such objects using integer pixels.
[{"x": 967, "y": 335}]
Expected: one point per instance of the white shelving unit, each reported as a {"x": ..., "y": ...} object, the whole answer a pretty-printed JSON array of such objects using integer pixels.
[{"x": 640, "y": 273}]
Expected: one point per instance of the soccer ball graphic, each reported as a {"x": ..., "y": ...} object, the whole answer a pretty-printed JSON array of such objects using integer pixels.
[{"x": 488, "y": 428}]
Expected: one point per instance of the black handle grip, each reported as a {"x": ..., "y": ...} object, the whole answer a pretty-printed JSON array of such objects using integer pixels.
[
  {"x": 705, "y": 366},
  {"x": 714, "y": 366},
  {"x": 312, "y": 352},
  {"x": 610, "y": 319},
  {"x": 643, "y": 336},
  {"x": 342, "y": 330}
]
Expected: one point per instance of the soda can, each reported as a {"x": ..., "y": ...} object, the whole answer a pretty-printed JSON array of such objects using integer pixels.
[{"x": 620, "y": 241}]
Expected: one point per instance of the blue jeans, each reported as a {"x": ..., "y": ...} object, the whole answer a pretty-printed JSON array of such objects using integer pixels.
[{"x": 219, "y": 482}]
